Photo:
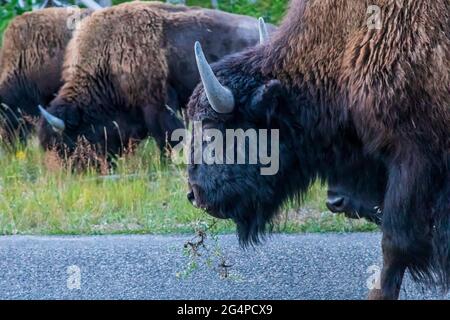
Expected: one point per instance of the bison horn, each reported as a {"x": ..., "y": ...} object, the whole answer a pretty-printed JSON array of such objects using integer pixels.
[
  {"x": 55, "y": 122},
  {"x": 220, "y": 97},
  {"x": 263, "y": 33}
]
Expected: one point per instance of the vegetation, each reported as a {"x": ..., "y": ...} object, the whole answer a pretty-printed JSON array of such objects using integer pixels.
[
  {"x": 40, "y": 195},
  {"x": 271, "y": 10}
]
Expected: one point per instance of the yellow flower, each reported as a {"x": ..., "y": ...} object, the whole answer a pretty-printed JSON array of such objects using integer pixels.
[{"x": 20, "y": 155}]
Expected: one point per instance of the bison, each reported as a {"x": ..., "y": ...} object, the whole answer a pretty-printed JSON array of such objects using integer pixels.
[
  {"x": 31, "y": 64},
  {"x": 357, "y": 189},
  {"x": 341, "y": 89},
  {"x": 125, "y": 65}
]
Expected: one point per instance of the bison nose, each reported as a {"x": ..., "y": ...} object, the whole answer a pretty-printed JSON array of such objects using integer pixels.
[
  {"x": 336, "y": 204},
  {"x": 191, "y": 197}
]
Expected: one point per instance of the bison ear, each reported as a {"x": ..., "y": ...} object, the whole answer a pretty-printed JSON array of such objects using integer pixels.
[{"x": 266, "y": 99}]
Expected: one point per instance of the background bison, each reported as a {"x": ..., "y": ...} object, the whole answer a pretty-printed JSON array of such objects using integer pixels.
[
  {"x": 338, "y": 90},
  {"x": 31, "y": 61},
  {"x": 124, "y": 66}
]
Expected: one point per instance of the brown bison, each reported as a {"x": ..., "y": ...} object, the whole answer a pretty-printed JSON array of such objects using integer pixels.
[
  {"x": 126, "y": 64},
  {"x": 30, "y": 65},
  {"x": 342, "y": 90}
]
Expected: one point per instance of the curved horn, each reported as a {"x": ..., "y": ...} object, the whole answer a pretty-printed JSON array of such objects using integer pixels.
[
  {"x": 263, "y": 33},
  {"x": 220, "y": 97},
  {"x": 55, "y": 122}
]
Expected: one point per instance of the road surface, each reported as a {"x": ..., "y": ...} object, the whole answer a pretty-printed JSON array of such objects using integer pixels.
[{"x": 311, "y": 266}]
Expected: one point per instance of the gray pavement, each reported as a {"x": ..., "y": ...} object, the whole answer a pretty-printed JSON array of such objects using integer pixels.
[{"x": 311, "y": 266}]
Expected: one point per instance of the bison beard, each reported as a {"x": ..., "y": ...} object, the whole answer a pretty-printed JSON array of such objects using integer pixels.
[{"x": 338, "y": 98}]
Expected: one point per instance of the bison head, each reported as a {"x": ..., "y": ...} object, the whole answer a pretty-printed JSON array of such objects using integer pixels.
[
  {"x": 235, "y": 100},
  {"x": 234, "y": 95},
  {"x": 64, "y": 126}
]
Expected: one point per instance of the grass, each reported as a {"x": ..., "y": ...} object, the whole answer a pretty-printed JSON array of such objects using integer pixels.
[
  {"x": 271, "y": 10},
  {"x": 142, "y": 195}
]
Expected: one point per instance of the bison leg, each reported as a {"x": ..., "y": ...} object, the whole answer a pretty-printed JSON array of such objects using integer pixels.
[
  {"x": 391, "y": 274},
  {"x": 173, "y": 101},
  {"x": 168, "y": 123},
  {"x": 406, "y": 220},
  {"x": 161, "y": 123}
]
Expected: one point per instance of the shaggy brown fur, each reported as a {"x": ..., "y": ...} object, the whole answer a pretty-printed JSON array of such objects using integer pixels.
[
  {"x": 395, "y": 84},
  {"x": 31, "y": 63},
  {"x": 387, "y": 89},
  {"x": 121, "y": 62},
  {"x": 133, "y": 35},
  {"x": 376, "y": 73}
]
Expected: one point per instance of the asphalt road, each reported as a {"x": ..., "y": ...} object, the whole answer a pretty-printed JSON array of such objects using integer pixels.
[{"x": 328, "y": 266}]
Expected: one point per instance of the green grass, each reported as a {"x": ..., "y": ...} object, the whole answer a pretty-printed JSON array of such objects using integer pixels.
[
  {"x": 39, "y": 196},
  {"x": 271, "y": 10}
]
